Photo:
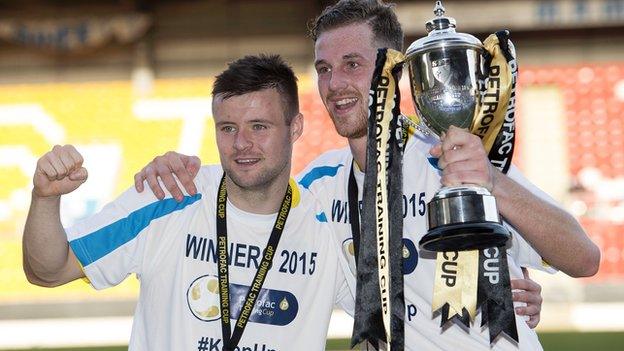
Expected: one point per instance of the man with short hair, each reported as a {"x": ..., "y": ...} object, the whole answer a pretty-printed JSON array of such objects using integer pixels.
[
  {"x": 347, "y": 36},
  {"x": 247, "y": 262}
]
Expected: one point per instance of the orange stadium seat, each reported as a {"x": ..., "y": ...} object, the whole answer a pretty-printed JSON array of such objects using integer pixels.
[
  {"x": 595, "y": 139},
  {"x": 319, "y": 133}
]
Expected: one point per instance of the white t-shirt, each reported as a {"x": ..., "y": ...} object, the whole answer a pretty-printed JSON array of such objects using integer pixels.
[
  {"x": 328, "y": 176},
  {"x": 172, "y": 248}
]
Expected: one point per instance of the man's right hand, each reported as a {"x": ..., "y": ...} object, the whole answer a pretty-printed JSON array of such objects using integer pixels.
[
  {"x": 164, "y": 167},
  {"x": 59, "y": 172}
]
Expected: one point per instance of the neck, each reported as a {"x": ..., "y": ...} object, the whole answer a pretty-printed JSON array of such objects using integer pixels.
[
  {"x": 267, "y": 199},
  {"x": 358, "y": 150}
]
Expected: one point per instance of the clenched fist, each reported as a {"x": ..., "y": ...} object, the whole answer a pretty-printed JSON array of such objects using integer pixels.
[{"x": 59, "y": 172}]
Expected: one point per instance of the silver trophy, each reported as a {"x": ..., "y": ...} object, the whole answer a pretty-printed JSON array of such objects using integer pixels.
[{"x": 445, "y": 69}]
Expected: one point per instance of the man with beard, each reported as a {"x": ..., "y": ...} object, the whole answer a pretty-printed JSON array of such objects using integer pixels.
[{"x": 347, "y": 36}]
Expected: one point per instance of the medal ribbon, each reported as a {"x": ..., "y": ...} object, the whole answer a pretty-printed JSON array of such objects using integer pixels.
[
  {"x": 354, "y": 212},
  {"x": 232, "y": 338}
]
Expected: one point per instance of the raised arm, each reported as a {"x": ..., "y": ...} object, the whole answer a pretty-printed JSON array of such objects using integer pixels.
[
  {"x": 553, "y": 233},
  {"x": 184, "y": 167},
  {"x": 47, "y": 258}
]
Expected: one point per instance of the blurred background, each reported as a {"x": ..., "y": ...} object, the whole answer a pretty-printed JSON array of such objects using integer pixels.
[{"x": 126, "y": 80}]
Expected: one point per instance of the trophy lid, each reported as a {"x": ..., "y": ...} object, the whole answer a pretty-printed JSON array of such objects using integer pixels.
[{"x": 442, "y": 34}]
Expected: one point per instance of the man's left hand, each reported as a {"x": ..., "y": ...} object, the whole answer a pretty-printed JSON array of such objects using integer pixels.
[{"x": 527, "y": 291}]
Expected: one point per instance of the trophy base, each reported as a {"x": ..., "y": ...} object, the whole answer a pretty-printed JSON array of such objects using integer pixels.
[{"x": 464, "y": 237}]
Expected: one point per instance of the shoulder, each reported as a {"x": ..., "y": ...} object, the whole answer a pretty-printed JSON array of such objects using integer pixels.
[
  {"x": 417, "y": 152},
  {"x": 420, "y": 143},
  {"x": 207, "y": 181},
  {"x": 303, "y": 198},
  {"x": 308, "y": 204},
  {"x": 208, "y": 177},
  {"x": 329, "y": 165}
]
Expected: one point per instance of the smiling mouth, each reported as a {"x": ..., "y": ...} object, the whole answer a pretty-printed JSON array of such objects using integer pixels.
[
  {"x": 345, "y": 104},
  {"x": 247, "y": 161}
]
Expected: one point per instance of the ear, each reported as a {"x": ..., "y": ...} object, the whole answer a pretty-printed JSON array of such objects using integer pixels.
[{"x": 296, "y": 127}]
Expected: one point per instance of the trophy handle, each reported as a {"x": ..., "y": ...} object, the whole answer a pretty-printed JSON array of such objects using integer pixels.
[{"x": 418, "y": 126}]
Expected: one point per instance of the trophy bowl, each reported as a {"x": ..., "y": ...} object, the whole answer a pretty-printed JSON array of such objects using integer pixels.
[
  {"x": 444, "y": 90},
  {"x": 445, "y": 70}
]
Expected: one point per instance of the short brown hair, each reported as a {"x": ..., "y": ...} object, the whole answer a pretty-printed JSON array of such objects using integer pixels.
[
  {"x": 378, "y": 15},
  {"x": 254, "y": 73}
]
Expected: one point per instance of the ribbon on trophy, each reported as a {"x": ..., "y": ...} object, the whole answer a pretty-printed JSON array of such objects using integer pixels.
[
  {"x": 495, "y": 123},
  {"x": 465, "y": 281},
  {"x": 494, "y": 295},
  {"x": 380, "y": 313},
  {"x": 469, "y": 280}
]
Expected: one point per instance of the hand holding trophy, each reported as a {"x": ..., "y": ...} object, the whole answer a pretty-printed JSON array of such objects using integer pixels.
[
  {"x": 445, "y": 69},
  {"x": 458, "y": 81},
  {"x": 455, "y": 81}
]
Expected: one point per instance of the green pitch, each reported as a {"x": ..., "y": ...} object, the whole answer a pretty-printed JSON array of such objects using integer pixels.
[{"x": 605, "y": 341}]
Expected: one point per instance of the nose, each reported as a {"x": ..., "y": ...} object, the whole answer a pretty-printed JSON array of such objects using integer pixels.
[
  {"x": 337, "y": 81},
  {"x": 242, "y": 140}
]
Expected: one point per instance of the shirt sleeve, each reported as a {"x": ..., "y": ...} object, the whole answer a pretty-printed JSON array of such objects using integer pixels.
[
  {"x": 110, "y": 244},
  {"x": 344, "y": 297},
  {"x": 521, "y": 250}
]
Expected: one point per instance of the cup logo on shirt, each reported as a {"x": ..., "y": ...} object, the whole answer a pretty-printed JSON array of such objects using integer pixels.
[
  {"x": 274, "y": 307},
  {"x": 203, "y": 298},
  {"x": 410, "y": 255}
]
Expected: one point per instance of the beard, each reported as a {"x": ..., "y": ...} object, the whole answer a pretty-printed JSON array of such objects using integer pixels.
[{"x": 351, "y": 127}]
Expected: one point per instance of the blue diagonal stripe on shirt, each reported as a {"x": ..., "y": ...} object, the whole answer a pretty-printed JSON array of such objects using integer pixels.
[
  {"x": 434, "y": 162},
  {"x": 321, "y": 217},
  {"x": 318, "y": 173},
  {"x": 101, "y": 242}
]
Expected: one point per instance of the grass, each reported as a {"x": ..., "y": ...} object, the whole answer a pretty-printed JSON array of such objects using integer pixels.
[
  {"x": 603, "y": 341},
  {"x": 569, "y": 341}
]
